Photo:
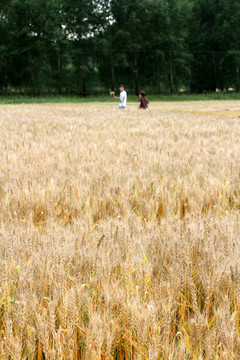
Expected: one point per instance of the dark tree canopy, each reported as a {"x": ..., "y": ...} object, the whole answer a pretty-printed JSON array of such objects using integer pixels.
[{"x": 82, "y": 46}]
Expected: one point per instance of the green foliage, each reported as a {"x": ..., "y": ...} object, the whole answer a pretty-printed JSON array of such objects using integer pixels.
[{"x": 74, "y": 46}]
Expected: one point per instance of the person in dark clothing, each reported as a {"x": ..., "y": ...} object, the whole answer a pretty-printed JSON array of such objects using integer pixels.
[{"x": 143, "y": 101}]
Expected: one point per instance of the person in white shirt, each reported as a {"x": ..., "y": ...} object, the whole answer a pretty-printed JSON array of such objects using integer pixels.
[{"x": 122, "y": 98}]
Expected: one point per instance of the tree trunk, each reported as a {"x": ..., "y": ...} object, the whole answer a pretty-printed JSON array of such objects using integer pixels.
[
  {"x": 158, "y": 77},
  {"x": 214, "y": 72},
  {"x": 237, "y": 79},
  {"x": 59, "y": 78},
  {"x": 33, "y": 83},
  {"x": 84, "y": 93},
  {"x": 112, "y": 67},
  {"x": 113, "y": 78},
  {"x": 5, "y": 73},
  {"x": 214, "y": 67},
  {"x": 112, "y": 73},
  {"x": 189, "y": 80},
  {"x": 136, "y": 73},
  {"x": 171, "y": 73},
  {"x": 78, "y": 77}
]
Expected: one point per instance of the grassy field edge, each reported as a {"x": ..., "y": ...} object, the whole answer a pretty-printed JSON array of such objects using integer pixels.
[{"x": 105, "y": 98}]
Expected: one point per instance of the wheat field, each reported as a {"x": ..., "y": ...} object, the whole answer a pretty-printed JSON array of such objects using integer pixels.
[{"x": 119, "y": 231}]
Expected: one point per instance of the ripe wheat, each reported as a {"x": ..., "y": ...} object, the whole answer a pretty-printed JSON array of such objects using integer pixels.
[{"x": 119, "y": 232}]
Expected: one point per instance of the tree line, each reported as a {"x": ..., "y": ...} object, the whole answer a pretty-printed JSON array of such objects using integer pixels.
[{"x": 80, "y": 47}]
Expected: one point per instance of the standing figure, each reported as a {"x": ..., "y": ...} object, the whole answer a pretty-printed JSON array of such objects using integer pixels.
[
  {"x": 122, "y": 98},
  {"x": 143, "y": 101}
]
